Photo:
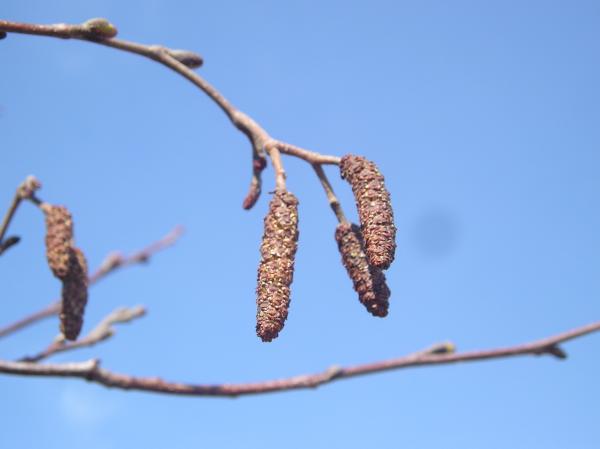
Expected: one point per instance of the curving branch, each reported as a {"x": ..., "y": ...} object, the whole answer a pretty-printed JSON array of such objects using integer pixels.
[
  {"x": 112, "y": 263},
  {"x": 442, "y": 354},
  {"x": 100, "y": 31}
]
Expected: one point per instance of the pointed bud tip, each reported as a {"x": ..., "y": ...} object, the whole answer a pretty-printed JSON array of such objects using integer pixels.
[{"x": 187, "y": 58}]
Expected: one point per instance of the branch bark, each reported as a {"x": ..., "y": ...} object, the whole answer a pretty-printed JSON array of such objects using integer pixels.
[{"x": 437, "y": 355}]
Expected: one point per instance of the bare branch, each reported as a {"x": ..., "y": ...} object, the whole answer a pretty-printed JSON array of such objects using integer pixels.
[
  {"x": 25, "y": 190},
  {"x": 112, "y": 263},
  {"x": 172, "y": 59},
  {"x": 103, "y": 331},
  {"x": 441, "y": 354}
]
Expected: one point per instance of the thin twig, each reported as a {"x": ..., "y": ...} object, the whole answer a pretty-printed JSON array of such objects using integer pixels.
[
  {"x": 113, "y": 262},
  {"x": 333, "y": 201},
  {"x": 436, "y": 355},
  {"x": 103, "y": 331},
  {"x": 25, "y": 190}
]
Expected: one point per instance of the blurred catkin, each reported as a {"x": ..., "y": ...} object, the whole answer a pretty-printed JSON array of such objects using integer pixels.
[
  {"x": 59, "y": 239},
  {"x": 276, "y": 269},
  {"x": 369, "y": 282},
  {"x": 374, "y": 209},
  {"x": 69, "y": 265},
  {"x": 74, "y": 295}
]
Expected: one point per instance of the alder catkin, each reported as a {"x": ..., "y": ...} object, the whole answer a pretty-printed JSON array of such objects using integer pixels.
[
  {"x": 276, "y": 269},
  {"x": 69, "y": 265},
  {"x": 59, "y": 239},
  {"x": 74, "y": 295},
  {"x": 369, "y": 282},
  {"x": 374, "y": 209}
]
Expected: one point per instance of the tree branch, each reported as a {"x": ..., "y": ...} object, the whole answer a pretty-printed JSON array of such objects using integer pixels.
[
  {"x": 103, "y": 34},
  {"x": 112, "y": 263},
  {"x": 437, "y": 355},
  {"x": 103, "y": 331},
  {"x": 25, "y": 190}
]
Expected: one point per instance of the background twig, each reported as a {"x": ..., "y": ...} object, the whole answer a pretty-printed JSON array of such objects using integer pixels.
[{"x": 111, "y": 263}]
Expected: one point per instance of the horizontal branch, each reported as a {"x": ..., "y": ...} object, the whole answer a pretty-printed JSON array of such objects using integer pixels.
[
  {"x": 437, "y": 355},
  {"x": 112, "y": 263}
]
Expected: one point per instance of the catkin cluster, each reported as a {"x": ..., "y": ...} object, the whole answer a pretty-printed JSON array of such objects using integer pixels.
[
  {"x": 374, "y": 209},
  {"x": 369, "y": 281},
  {"x": 276, "y": 269},
  {"x": 69, "y": 265}
]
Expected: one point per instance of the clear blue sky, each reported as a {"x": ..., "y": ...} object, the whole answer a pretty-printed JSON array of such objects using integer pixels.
[{"x": 482, "y": 115}]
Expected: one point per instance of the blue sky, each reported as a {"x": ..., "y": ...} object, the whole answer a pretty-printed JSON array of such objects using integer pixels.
[{"x": 482, "y": 116}]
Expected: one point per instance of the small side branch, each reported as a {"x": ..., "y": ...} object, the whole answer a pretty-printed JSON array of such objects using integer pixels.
[
  {"x": 103, "y": 331},
  {"x": 25, "y": 190},
  {"x": 442, "y": 354}
]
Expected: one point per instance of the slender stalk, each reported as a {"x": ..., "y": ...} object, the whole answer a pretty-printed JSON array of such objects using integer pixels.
[{"x": 333, "y": 201}]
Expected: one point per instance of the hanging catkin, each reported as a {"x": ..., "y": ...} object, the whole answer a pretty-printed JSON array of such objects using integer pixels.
[
  {"x": 276, "y": 269},
  {"x": 69, "y": 265},
  {"x": 369, "y": 282},
  {"x": 59, "y": 239},
  {"x": 74, "y": 295},
  {"x": 374, "y": 209}
]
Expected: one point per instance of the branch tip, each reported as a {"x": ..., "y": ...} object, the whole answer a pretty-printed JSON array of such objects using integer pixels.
[{"x": 188, "y": 58}]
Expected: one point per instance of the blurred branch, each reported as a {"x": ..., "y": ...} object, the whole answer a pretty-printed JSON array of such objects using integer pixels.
[
  {"x": 112, "y": 263},
  {"x": 103, "y": 331},
  {"x": 25, "y": 190},
  {"x": 441, "y": 354}
]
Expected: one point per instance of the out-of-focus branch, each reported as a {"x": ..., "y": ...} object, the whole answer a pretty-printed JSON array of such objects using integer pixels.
[
  {"x": 116, "y": 260},
  {"x": 442, "y": 354},
  {"x": 25, "y": 190},
  {"x": 113, "y": 262},
  {"x": 103, "y": 331}
]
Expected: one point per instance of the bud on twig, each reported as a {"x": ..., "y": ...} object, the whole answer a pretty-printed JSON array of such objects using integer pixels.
[
  {"x": 99, "y": 28},
  {"x": 252, "y": 196},
  {"x": 369, "y": 282},
  {"x": 187, "y": 58},
  {"x": 276, "y": 269},
  {"x": 74, "y": 295},
  {"x": 374, "y": 209}
]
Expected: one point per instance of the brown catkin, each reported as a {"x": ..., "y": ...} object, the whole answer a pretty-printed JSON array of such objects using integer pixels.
[
  {"x": 276, "y": 269},
  {"x": 59, "y": 239},
  {"x": 69, "y": 265},
  {"x": 374, "y": 209},
  {"x": 74, "y": 295},
  {"x": 369, "y": 282}
]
